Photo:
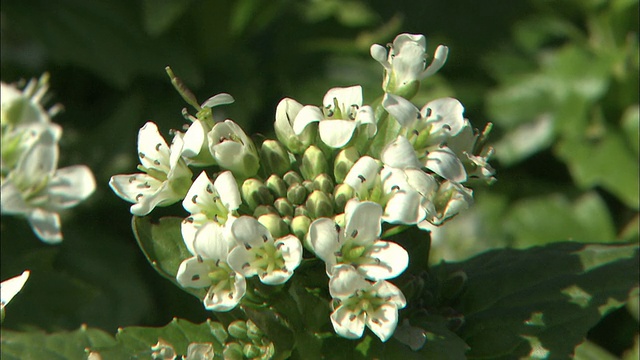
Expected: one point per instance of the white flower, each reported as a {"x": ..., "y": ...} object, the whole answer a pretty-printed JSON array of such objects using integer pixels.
[
  {"x": 38, "y": 190},
  {"x": 259, "y": 254},
  {"x": 358, "y": 243},
  {"x": 209, "y": 202},
  {"x": 10, "y": 287},
  {"x": 406, "y": 194},
  {"x": 166, "y": 178},
  {"x": 209, "y": 268},
  {"x": 361, "y": 303},
  {"x": 405, "y": 62},
  {"x": 474, "y": 156},
  {"x": 450, "y": 199},
  {"x": 233, "y": 150},
  {"x": 286, "y": 112},
  {"x": 343, "y": 114}
]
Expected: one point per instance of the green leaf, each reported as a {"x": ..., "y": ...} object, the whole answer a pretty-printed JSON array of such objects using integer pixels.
[
  {"x": 164, "y": 247},
  {"x": 136, "y": 342},
  {"x": 591, "y": 351},
  {"x": 541, "y": 302},
  {"x": 64, "y": 345}
]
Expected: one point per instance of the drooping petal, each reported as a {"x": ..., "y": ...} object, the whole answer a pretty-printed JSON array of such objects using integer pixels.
[
  {"x": 400, "y": 154},
  {"x": 217, "y": 100},
  {"x": 336, "y": 133},
  {"x": 363, "y": 222},
  {"x": 46, "y": 225},
  {"x": 445, "y": 163},
  {"x": 70, "y": 185},
  {"x": 346, "y": 281},
  {"x": 194, "y": 272},
  {"x": 383, "y": 321},
  {"x": 226, "y": 186},
  {"x": 401, "y": 109},
  {"x": 348, "y": 324},
  {"x": 379, "y": 54},
  {"x": 307, "y": 115},
  {"x": 391, "y": 261},
  {"x": 163, "y": 196},
  {"x": 440, "y": 57}
]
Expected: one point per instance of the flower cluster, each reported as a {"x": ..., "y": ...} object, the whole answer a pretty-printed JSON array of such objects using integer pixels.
[
  {"x": 336, "y": 176},
  {"x": 32, "y": 184}
]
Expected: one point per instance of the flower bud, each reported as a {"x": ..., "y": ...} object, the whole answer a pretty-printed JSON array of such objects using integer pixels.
[
  {"x": 274, "y": 223},
  {"x": 233, "y": 150},
  {"x": 255, "y": 193},
  {"x": 300, "y": 226},
  {"x": 341, "y": 194},
  {"x": 238, "y": 329},
  {"x": 274, "y": 157},
  {"x": 343, "y": 163},
  {"x": 319, "y": 205},
  {"x": 276, "y": 185},
  {"x": 263, "y": 210},
  {"x": 296, "y": 194},
  {"x": 323, "y": 183},
  {"x": 286, "y": 112},
  {"x": 300, "y": 211},
  {"x": 233, "y": 351},
  {"x": 309, "y": 186},
  {"x": 255, "y": 334},
  {"x": 251, "y": 351},
  {"x": 292, "y": 177},
  {"x": 218, "y": 331},
  {"x": 313, "y": 163},
  {"x": 284, "y": 207}
]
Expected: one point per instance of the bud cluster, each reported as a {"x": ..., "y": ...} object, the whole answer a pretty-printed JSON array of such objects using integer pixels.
[{"x": 335, "y": 174}]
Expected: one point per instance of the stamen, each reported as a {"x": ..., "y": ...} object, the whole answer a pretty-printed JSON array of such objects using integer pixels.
[
  {"x": 362, "y": 178},
  {"x": 428, "y": 112},
  {"x": 209, "y": 190},
  {"x": 265, "y": 238},
  {"x": 395, "y": 187},
  {"x": 138, "y": 197},
  {"x": 415, "y": 132},
  {"x": 446, "y": 127},
  {"x": 247, "y": 246},
  {"x": 188, "y": 220},
  {"x": 218, "y": 263},
  {"x": 245, "y": 265},
  {"x": 141, "y": 155},
  {"x": 337, "y": 228},
  {"x": 279, "y": 245},
  {"x": 354, "y": 233},
  {"x": 158, "y": 146},
  {"x": 352, "y": 317},
  {"x": 156, "y": 162},
  {"x": 193, "y": 199},
  {"x": 195, "y": 277},
  {"x": 132, "y": 179},
  {"x": 199, "y": 259}
]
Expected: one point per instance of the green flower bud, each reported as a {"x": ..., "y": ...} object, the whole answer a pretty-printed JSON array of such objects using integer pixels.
[
  {"x": 296, "y": 194},
  {"x": 343, "y": 163},
  {"x": 274, "y": 157},
  {"x": 313, "y": 163},
  {"x": 251, "y": 351},
  {"x": 283, "y": 206},
  {"x": 301, "y": 210},
  {"x": 323, "y": 183},
  {"x": 255, "y": 334},
  {"x": 255, "y": 193},
  {"x": 263, "y": 210},
  {"x": 276, "y": 185},
  {"x": 233, "y": 351},
  {"x": 292, "y": 177},
  {"x": 453, "y": 285},
  {"x": 300, "y": 226},
  {"x": 341, "y": 194},
  {"x": 238, "y": 329},
  {"x": 218, "y": 331},
  {"x": 309, "y": 186},
  {"x": 319, "y": 205},
  {"x": 277, "y": 227}
]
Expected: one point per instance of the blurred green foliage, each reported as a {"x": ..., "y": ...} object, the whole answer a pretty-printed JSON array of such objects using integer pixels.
[{"x": 558, "y": 78}]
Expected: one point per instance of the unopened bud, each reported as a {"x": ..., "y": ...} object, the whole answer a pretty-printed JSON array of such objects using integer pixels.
[
  {"x": 292, "y": 177},
  {"x": 284, "y": 207},
  {"x": 323, "y": 183},
  {"x": 343, "y": 163},
  {"x": 309, "y": 186},
  {"x": 300, "y": 210},
  {"x": 253, "y": 331},
  {"x": 274, "y": 223},
  {"x": 233, "y": 351},
  {"x": 300, "y": 226},
  {"x": 251, "y": 351},
  {"x": 319, "y": 205},
  {"x": 255, "y": 193},
  {"x": 238, "y": 329},
  {"x": 341, "y": 194},
  {"x": 276, "y": 185},
  {"x": 296, "y": 194},
  {"x": 274, "y": 157},
  {"x": 313, "y": 163},
  {"x": 263, "y": 210}
]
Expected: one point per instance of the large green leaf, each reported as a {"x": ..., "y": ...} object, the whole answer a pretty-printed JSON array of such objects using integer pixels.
[
  {"x": 64, "y": 345},
  {"x": 541, "y": 302}
]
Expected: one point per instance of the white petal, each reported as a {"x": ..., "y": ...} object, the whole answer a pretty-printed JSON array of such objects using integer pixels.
[
  {"x": 422, "y": 182},
  {"x": 70, "y": 185},
  {"x": 363, "y": 221},
  {"x": 438, "y": 61},
  {"x": 41, "y": 159},
  {"x": 10, "y": 287},
  {"x": 195, "y": 139},
  {"x": 200, "y": 195},
  {"x": 227, "y": 187},
  {"x": 405, "y": 38},
  {"x": 46, "y": 225},
  {"x": 404, "y": 207},
  {"x": 324, "y": 240},
  {"x": 379, "y": 54},
  {"x": 227, "y": 299},
  {"x": 383, "y": 321},
  {"x": 307, "y": 115},
  {"x": 400, "y": 154},
  {"x": 194, "y": 273},
  {"x": 336, "y": 133},
  {"x": 153, "y": 150},
  {"x": 248, "y": 231},
  {"x": 276, "y": 277},
  {"x": 217, "y": 100},
  {"x": 445, "y": 112},
  {"x": 387, "y": 290},
  {"x": 291, "y": 250},
  {"x": 392, "y": 258},
  {"x": 12, "y": 200},
  {"x": 240, "y": 259},
  {"x": 362, "y": 175},
  {"x": 345, "y": 96},
  {"x": 446, "y": 164},
  {"x": 163, "y": 196},
  {"x": 346, "y": 281},
  {"x": 401, "y": 109},
  {"x": 347, "y": 324},
  {"x": 129, "y": 186},
  {"x": 210, "y": 242}
]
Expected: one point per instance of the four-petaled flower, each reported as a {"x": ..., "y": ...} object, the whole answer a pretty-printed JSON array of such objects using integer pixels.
[
  {"x": 358, "y": 302},
  {"x": 209, "y": 268},
  {"x": 258, "y": 253},
  {"x": 166, "y": 178},
  {"x": 358, "y": 243},
  {"x": 343, "y": 113}
]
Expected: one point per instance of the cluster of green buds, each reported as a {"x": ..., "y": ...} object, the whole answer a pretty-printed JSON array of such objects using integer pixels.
[
  {"x": 322, "y": 191},
  {"x": 32, "y": 184}
]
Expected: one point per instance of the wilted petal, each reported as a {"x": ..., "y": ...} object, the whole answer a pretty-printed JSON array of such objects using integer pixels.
[
  {"x": 440, "y": 57},
  {"x": 217, "y": 100}
]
